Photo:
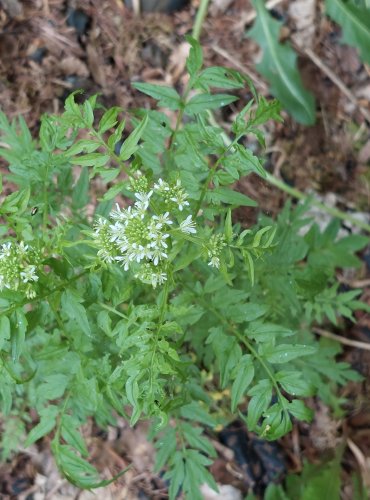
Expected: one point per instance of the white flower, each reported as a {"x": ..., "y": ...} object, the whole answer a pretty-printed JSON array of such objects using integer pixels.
[
  {"x": 159, "y": 240},
  {"x": 122, "y": 215},
  {"x": 180, "y": 200},
  {"x": 158, "y": 279},
  {"x": 157, "y": 255},
  {"x": 105, "y": 255},
  {"x": 22, "y": 248},
  {"x": 125, "y": 261},
  {"x": 6, "y": 250},
  {"x": 143, "y": 200},
  {"x": 29, "y": 274},
  {"x": 162, "y": 220},
  {"x": 161, "y": 185},
  {"x": 187, "y": 226},
  {"x": 214, "y": 262}
]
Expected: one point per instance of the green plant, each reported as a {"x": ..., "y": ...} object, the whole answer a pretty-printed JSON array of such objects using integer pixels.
[
  {"x": 147, "y": 307},
  {"x": 279, "y": 66}
]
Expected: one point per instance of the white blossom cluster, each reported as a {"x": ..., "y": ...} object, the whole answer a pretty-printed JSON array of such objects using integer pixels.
[
  {"x": 142, "y": 233},
  {"x": 215, "y": 246},
  {"x": 18, "y": 268}
]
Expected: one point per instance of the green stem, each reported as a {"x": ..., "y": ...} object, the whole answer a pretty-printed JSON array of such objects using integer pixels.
[
  {"x": 199, "y": 18},
  {"x": 62, "y": 286},
  {"x": 335, "y": 212}
]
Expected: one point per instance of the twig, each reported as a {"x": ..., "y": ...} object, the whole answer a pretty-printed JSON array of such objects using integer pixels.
[
  {"x": 342, "y": 340},
  {"x": 337, "y": 81}
]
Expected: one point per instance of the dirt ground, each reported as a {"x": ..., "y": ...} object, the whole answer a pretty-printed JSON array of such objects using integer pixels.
[{"x": 48, "y": 48}]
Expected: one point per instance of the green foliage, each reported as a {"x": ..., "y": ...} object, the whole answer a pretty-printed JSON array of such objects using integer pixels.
[
  {"x": 318, "y": 481},
  {"x": 146, "y": 309},
  {"x": 279, "y": 67},
  {"x": 355, "y": 23}
]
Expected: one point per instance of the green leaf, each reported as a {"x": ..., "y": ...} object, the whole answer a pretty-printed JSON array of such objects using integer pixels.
[
  {"x": 91, "y": 160},
  {"x": 4, "y": 331},
  {"x": 279, "y": 67},
  {"x": 72, "y": 436},
  {"x": 219, "y": 77},
  {"x": 261, "y": 397},
  {"x": 203, "y": 102},
  {"x": 167, "y": 97},
  {"x": 18, "y": 333},
  {"x": 300, "y": 411},
  {"x": 75, "y": 311},
  {"x": 227, "y": 195},
  {"x": 109, "y": 119},
  {"x": 283, "y": 353},
  {"x": 130, "y": 145},
  {"x": 80, "y": 193},
  {"x": 355, "y": 23},
  {"x": 245, "y": 374},
  {"x": 46, "y": 424},
  {"x": 194, "y": 61},
  {"x": 292, "y": 382}
]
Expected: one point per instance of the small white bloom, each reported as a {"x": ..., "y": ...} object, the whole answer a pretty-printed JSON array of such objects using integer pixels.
[
  {"x": 143, "y": 200},
  {"x": 187, "y": 226},
  {"x": 29, "y": 274},
  {"x": 158, "y": 279},
  {"x": 122, "y": 214},
  {"x": 22, "y": 249},
  {"x": 125, "y": 261},
  {"x": 104, "y": 255},
  {"x": 159, "y": 240},
  {"x": 214, "y": 262},
  {"x": 161, "y": 185},
  {"x": 162, "y": 220},
  {"x": 180, "y": 201},
  {"x": 157, "y": 255},
  {"x": 6, "y": 250}
]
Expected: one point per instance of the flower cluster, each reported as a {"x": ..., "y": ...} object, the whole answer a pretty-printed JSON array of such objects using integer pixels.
[
  {"x": 214, "y": 248},
  {"x": 18, "y": 268},
  {"x": 139, "y": 237}
]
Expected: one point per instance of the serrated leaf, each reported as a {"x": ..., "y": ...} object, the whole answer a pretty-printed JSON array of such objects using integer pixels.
[
  {"x": 130, "y": 145},
  {"x": 261, "y": 397},
  {"x": 279, "y": 67},
  {"x": 300, "y": 411},
  {"x": 219, "y": 77},
  {"x": 204, "y": 102},
  {"x": 75, "y": 311},
  {"x": 109, "y": 119},
  {"x": 46, "y": 425},
  {"x": 292, "y": 382},
  {"x": 4, "y": 330},
  {"x": 194, "y": 61},
  {"x": 71, "y": 435},
  {"x": 355, "y": 23},
  {"x": 227, "y": 195},
  {"x": 91, "y": 160},
  {"x": 283, "y": 353},
  {"x": 81, "y": 190},
  {"x": 167, "y": 97},
  {"x": 245, "y": 374}
]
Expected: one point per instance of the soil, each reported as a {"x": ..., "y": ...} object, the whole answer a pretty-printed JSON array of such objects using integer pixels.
[{"x": 49, "y": 48}]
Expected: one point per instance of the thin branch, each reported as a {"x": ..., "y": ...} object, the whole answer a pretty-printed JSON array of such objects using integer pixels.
[
  {"x": 337, "y": 81},
  {"x": 342, "y": 340}
]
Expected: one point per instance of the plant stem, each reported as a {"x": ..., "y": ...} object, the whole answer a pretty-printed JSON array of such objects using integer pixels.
[
  {"x": 329, "y": 210},
  {"x": 199, "y": 18}
]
